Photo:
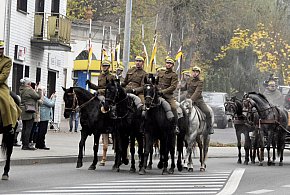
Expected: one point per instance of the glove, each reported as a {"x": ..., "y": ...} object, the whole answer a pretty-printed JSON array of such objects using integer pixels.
[
  {"x": 88, "y": 82},
  {"x": 159, "y": 93},
  {"x": 130, "y": 91}
]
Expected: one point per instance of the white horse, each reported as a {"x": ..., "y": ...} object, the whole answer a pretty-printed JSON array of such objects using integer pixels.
[{"x": 198, "y": 132}]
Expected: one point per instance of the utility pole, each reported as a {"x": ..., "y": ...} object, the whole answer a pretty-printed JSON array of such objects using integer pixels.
[{"x": 127, "y": 35}]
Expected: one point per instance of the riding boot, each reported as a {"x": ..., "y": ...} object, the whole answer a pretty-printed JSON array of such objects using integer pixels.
[
  {"x": 175, "y": 122},
  {"x": 209, "y": 125}
]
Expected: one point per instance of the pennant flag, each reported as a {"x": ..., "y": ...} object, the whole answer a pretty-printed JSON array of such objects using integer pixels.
[
  {"x": 178, "y": 57},
  {"x": 153, "y": 56},
  {"x": 105, "y": 55},
  {"x": 146, "y": 54},
  {"x": 90, "y": 54},
  {"x": 179, "y": 54}
]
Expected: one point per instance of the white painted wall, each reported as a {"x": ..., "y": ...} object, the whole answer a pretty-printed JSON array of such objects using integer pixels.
[
  {"x": 22, "y": 26},
  {"x": 2, "y": 18}
]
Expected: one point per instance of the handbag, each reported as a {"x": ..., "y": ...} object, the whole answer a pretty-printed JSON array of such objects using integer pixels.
[{"x": 29, "y": 108}]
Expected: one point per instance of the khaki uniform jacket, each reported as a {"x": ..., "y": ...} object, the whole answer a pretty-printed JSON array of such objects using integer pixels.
[
  {"x": 28, "y": 96},
  {"x": 9, "y": 111},
  {"x": 102, "y": 82},
  {"x": 194, "y": 87},
  {"x": 167, "y": 83},
  {"x": 135, "y": 80}
]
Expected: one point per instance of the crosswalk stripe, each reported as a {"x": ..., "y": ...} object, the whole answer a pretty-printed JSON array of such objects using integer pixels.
[
  {"x": 179, "y": 184},
  {"x": 260, "y": 191}
]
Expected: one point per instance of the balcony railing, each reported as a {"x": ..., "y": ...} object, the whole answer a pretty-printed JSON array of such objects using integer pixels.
[{"x": 51, "y": 31}]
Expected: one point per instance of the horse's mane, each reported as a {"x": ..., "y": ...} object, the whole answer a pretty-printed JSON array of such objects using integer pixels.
[
  {"x": 259, "y": 95},
  {"x": 82, "y": 93}
]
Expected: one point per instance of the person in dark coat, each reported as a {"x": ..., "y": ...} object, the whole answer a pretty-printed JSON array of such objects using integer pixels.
[{"x": 28, "y": 97}]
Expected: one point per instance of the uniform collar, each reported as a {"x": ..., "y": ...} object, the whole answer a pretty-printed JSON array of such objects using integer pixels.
[{"x": 168, "y": 70}]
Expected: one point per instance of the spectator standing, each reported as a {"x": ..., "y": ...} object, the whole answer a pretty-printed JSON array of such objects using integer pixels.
[
  {"x": 74, "y": 119},
  {"x": 45, "y": 115},
  {"x": 29, "y": 98}
]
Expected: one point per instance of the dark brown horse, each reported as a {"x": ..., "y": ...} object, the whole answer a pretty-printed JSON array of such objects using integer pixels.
[
  {"x": 7, "y": 140},
  {"x": 273, "y": 122},
  {"x": 92, "y": 120}
]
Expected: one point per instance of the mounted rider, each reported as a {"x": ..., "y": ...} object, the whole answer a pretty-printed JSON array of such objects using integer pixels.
[
  {"x": 105, "y": 76},
  {"x": 119, "y": 72},
  {"x": 134, "y": 80},
  {"x": 194, "y": 87},
  {"x": 167, "y": 83},
  {"x": 9, "y": 111}
]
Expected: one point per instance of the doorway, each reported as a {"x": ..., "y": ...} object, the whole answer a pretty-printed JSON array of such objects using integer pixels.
[
  {"x": 16, "y": 76},
  {"x": 51, "y": 83}
]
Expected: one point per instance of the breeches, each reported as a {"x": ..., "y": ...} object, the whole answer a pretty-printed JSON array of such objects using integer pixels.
[{"x": 203, "y": 107}]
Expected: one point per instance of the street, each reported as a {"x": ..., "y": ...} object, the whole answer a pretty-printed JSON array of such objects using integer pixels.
[{"x": 66, "y": 179}]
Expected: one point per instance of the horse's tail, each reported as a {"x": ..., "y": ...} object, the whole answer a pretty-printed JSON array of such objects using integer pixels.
[{"x": 5, "y": 143}]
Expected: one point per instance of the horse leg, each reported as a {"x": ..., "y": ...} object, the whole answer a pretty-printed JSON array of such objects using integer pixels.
[
  {"x": 118, "y": 150},
  {"x": 201, "y": 153},
  {"x": 149, "y": 167},
  {"x": 164, "y": 155},
  {"x": 7, "y": 146},
  {"x": 179, "y": 151},
  {"x": 95, "y": 148},
  {"x": 247, "y": 147},
  {"x": 132, "y": 152},
  {"x": 140, "y": 141},
  {"x": 148, "y": 146},
  {"x": 269, "y": 143},
  {"x": 239, "y": 145},
  {"x": 82, "y": 142},
  {"x": 172, "y": 153}
]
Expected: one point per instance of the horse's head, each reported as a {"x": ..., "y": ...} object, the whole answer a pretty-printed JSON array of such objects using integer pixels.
[
  {"x": 113, "y": 95},
  {"x": 248, "y": 103},
  {"x": 70, "y": 101},
  {"x": 150, "y": 91},
  {"x": 187, "y": 105}
]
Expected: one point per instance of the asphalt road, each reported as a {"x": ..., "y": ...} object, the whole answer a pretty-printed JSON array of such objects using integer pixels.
[{"x": 223, "y": 175}]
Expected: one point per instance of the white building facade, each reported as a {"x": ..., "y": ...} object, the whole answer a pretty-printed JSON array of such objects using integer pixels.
[{"x": 37, "y": 37}]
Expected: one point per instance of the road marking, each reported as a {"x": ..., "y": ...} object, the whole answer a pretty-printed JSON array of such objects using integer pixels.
[
  {"x": 260, "y": 191},
  {"x": 233, "y": 182},
  {"x": 179, "y": 184},
  {"x": 286, "y": 186}
]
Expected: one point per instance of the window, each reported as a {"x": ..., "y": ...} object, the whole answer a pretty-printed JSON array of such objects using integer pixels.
[
  {"x": 26, "y": 71},
  {"x": 22, "y": 5}
]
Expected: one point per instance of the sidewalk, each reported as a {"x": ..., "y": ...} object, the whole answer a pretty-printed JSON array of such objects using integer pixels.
[{"x": 64, "y": 149}]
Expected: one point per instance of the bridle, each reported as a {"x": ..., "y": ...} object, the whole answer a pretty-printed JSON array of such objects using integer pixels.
[
  {"x": 74, "y": 103},
  {"x": 151, "y": 98}
]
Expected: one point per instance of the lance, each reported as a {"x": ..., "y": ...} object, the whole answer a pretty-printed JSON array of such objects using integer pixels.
[
  {"x": 170, "y": 45},
  {"x": 90, "y": 52},
  {"x": 102, "y": 48},
  {"x": 180, "y": 67},
  {"x": 144, "y": 46},
  {"x": 154, "y": 51},
  {"x": 111, "y": 43}
]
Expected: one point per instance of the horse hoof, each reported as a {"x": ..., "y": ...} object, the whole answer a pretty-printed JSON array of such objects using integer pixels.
[
  {"x": 280, "y": 163},
  {"x": 118, "y": 169},
  {"x": 260, "y": 164},
  {"x": 179, "y": 167},
  {"x": 190, "y": 170},
  {"x": 79, "y": 164},
  {"x": 246, "y": 163},
  {"x": 132, "y": 170},
  {"x": 114, "y": 167},
  {"x": 5, "y": 177},
  {"x": 160, "y": 165},
  {"x": 202, "y": 169},
  {"x": 239, "y": 162},
  {"x": 253, "y": 162},
  {"x": 185, "y": 168},
  {"x": 92, "y": 167},
  {"x": 165, "y": 172},
  {"x": 125, "y": 161},
  {"x": 142, "y": 171},
  {"x": 149, "y": 167},
  {"x": 269, "y": 163},
  {"x": 171, "y": 171}
]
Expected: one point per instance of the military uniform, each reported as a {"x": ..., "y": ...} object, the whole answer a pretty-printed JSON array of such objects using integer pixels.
[
  {"x": 194, "y": 87},
  {"x": 134, "y": 80},
  {"x": 102, "y": 81},
  {"x": 167, "y": 84},
  {"x": 9, "y": 111}
]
